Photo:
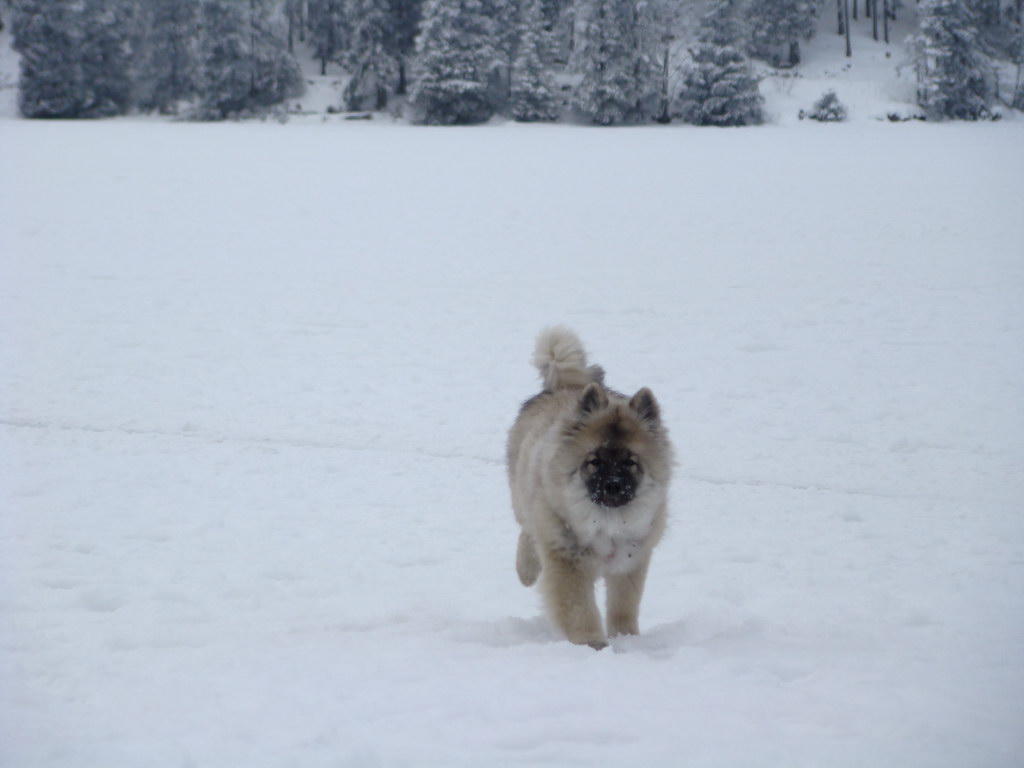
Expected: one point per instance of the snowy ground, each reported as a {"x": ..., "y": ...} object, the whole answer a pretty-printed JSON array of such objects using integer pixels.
[{"x": 254, "y": 386}]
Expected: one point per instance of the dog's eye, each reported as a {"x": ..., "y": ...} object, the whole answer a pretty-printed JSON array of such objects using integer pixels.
[
  {"x": 595, "y": 462},
  {"x": 629, "y": 463}
]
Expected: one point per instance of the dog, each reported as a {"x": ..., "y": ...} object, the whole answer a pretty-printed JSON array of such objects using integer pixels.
[{"x": 589, "y": 472}]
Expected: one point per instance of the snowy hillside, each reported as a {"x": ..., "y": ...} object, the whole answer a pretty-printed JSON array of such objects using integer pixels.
[
  {"x": 876, "y": 81},
  {"x": 254, "y": 387}
]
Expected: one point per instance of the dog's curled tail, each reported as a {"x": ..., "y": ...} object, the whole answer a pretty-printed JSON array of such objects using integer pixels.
[{"x": 562, "y": 362}]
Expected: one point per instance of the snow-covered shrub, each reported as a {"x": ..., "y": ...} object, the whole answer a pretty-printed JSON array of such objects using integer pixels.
[{"x": 827, "y": 109}]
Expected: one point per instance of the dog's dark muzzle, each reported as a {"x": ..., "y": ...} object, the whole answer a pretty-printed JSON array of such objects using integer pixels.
[{"x": 611, "y": 491}]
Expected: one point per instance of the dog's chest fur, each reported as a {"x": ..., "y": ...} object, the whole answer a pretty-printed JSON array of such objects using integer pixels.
[{"x": 612, "y": 539}]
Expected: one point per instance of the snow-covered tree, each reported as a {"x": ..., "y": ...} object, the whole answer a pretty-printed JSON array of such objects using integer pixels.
[
  {"x": 224, "y": 54},
  {"x": 719, "y": 87},
  {"x": 47, "y": 33},
  {"x": 504, "y": 16},
  {"x": 662, "y": 25},
  {"x": 405, "y": 16},
  {"x": 987, "y": 13},
  {"x": 559, "y": 22},
  {"x": 75, "y": 57},
  {"x": 619, "y": 76},
  {"x": 952, "y": 76},
  {"x": 295, "y": 14},
  {"x": 371, "y": 56},
  {"x": 168, "y": 65},
  {"x": 328, "y": 30},
  {"x": 106, "y": 56},
  {"x": 454, "y": 61},
  {"x": 534, "y": 95},
  {"x": 244, "y": 57},
  {"x": 783, "y": 24}
]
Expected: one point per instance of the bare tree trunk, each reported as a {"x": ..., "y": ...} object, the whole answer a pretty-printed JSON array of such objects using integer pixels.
[
  {"x": 794, "y": 53},
  {"x": 403, "y": 85},
  {"x": 252, "y": 47},
  {"x": 885, "y": 20},
  {"x": 846, "y": 19},
  {"x": 873, "y": 4},
  {"x": 841, "y": 30},
  {"x": 663, "y": 111},
  {"x": 291, "y": 28},
  {"x": 854, "y": 10}
]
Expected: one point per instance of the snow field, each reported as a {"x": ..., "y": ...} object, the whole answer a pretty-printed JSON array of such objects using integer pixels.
[{"x": 256, "y": 382}]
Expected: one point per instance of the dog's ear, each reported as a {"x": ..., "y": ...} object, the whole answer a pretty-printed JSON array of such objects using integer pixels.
[
  {"x": 646, "y": 407},
  {"x": 593, "y": 398}
]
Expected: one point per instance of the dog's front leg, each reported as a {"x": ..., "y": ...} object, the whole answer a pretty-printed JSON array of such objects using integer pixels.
[
  {"x": 569, "y": 594},
  {"x": 624, "y": 593}
]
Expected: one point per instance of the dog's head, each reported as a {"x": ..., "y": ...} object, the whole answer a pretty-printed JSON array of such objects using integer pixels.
[{"x": 616, "y": 443}]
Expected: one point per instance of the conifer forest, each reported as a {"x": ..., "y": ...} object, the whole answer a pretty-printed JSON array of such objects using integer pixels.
[{"x": 447, "y": 62}]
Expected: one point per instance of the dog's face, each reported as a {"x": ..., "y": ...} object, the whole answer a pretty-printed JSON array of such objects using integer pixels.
[
  {"x": 611, "y": 474},
  {"x": 613, "y": 441}
]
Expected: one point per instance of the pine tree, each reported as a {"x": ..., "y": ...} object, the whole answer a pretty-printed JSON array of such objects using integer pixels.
[
  {"x": 224, "y": 55},
  {"x": 244, "y": 58},
  {"x": 328, "y": 30},
  {"x": 719, "y": 87},
  {"x": 405, "y": 16},
  {"x": 295, "y": 13},
  {"x": 782, "y": 23},
  {"x": 952, "y": 82},
  {"x": 619, "y": 76},
  {"x": 663, "y": 21},
  {"x": 454, "y": 60},
  {"x": 533, "y": 89},
  {"x": 371, "y": 56},
  {"x": 506, "y": 34},
  {"x": 47, "y": 35},
  {"x": 76, "y": 57},
  {"x": 106, "y": 57},
  {"x": 168, "y": 68},
  {"x": 559, "y": 30},
  {"x": 277, "y": 75}
]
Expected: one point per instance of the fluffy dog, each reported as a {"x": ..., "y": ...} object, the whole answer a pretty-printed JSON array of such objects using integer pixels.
[{"x": 589, "y": 471}]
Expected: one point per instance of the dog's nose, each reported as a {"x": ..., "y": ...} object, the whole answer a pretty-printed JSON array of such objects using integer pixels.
[{"x": 613, "y": 486}]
